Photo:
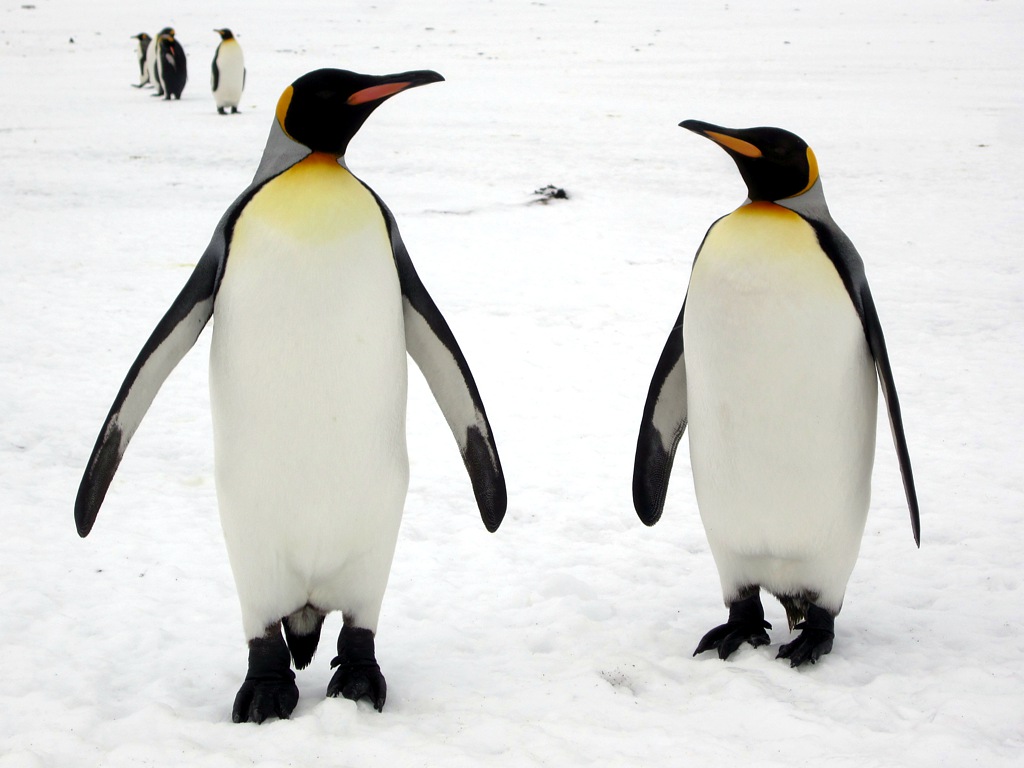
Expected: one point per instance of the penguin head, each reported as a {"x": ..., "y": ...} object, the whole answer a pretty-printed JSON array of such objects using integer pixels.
[
  {"x": 225, "y": 34},
  {"x": 166, "y": 32},
  {"x": 325, "y": 108},
  {"x": 775, "y": 164},
  {"x": 142, "y": 37}
]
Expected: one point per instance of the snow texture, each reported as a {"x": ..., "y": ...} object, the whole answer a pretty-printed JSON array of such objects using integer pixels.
[{"x": 565, "y": 639}]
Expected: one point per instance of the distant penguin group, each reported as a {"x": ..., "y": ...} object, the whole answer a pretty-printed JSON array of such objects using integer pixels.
[
  {"x": 773, "y": 366},
  {"x": 162, "y": 63}
]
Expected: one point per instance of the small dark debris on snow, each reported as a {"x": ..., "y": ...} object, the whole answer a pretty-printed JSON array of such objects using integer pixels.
[{"x": 548, "y": 193}]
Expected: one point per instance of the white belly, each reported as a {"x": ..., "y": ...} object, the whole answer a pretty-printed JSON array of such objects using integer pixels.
[
  {"x": 231, "y": 68},
  {"x": 308, "y": 390},
  {"x": 781, "y": 396}
]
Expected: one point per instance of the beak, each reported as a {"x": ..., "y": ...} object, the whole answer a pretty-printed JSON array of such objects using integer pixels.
[
  {"x": 725, "y": 137},
  {"x": 389, "y": 85}
]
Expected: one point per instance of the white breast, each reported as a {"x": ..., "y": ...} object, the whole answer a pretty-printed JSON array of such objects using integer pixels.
[
  {"x": 308, "y": 389},
  {"x": 781, "y": 397},
  {"x": 231, "y": 68}
]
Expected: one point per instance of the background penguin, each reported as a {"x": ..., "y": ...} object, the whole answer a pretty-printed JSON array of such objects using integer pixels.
[
  {"x": 143, "y": 54},
  {"x": 227, "y": 76},
  {"x": 153, "y": 61},
  {"x": 171, "y": 66},
  {"x": 317, "y": 303},
  {"x": 772, "y": 363}
]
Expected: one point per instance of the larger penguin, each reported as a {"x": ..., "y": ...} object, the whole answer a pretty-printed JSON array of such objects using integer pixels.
[
  {"x": 772, "y": 363},
  {"x": 316, "y": 304}
]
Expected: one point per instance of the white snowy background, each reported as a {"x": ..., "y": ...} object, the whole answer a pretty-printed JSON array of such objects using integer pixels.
[{"x": 565, "y": 639}]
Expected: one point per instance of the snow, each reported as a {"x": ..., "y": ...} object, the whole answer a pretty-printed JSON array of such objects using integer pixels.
[{"x": 566, "y": 638}]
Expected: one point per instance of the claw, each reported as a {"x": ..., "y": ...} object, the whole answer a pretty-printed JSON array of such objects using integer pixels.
[
  {"x": 358, "y": 675},
  {"x": 814, "y": 641},
  {"x": 746, "y": 625},
  {"x": 259, "y": 701},
  {"x": 269, "y": 689}
]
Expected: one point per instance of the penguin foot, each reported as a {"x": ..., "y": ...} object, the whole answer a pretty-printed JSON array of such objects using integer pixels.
[
  {"x": 358, "y": 675},
  {"x": 269, "y": 689},
  {"x": 220, "y": 111},
  {"x": 234, "y": 110},
  {"x": 257, "y": 701},
  {"x": 746, "y": 625},
  {"x": 815, "y": 639}
]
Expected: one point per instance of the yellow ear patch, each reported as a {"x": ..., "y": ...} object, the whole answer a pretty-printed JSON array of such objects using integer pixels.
[
  {"x": 282, "y": 105},
  {"x": 745, "y": 148},
  {"x": 812, "y": 171}
]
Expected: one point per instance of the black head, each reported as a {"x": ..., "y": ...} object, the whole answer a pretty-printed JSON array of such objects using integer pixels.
[
  {"x": 774, "y": 163},
  {"x": 324, "y": 109},
  {"x": 142, "y": 37},
  {"x": 166, "y": 32},
  {"x": 225, "y": 34}
]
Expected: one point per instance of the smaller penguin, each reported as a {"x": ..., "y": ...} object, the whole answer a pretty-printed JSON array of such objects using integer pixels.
[
  {"x": 773, "y": 367},
  {"x": 171, "y": 67},
  {"x": 143, "y": 54},
  {"x": 227, "y": 75}
]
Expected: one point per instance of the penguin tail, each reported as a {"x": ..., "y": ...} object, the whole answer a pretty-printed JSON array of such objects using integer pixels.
[
  {"x": 302, "y": 634},
  {"x": 796, "y": 608}
]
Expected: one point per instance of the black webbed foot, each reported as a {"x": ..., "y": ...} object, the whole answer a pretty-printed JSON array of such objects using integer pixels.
[
  {"x": 269, "y": 689},
  {"x": 358, "y": 675},
  {"x": 815, "y": 639},
  {"x": 746, "y": 625}
]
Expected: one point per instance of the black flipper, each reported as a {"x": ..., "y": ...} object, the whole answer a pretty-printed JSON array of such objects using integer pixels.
[
  {"x": 269, "y": 689},
  {"x": 358, "y": 675},
  {"x": 850, "y": 267},
  {"x": 433, "y": 347},
  {"x": 215, "y": 70},
  {"x": 876, "y": 342},
  {"x": 662, "y": 427},
  {"x": 746, "y": 625},
  {"x": 173, "y": 336}
]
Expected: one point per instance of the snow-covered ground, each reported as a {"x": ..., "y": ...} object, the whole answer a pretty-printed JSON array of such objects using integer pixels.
[{"x": 566, "y": 638}]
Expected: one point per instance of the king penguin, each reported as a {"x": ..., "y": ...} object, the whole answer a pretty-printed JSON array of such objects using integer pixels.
[
  {"x": 153, "y": 62},
  {"x": 171, "y": 65},
  {"x": 227, "y": 75},
  {"x": 772, "y": 363},
  {"x": 316, "y": 304},
  {"x": 142, "y": 53}
]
